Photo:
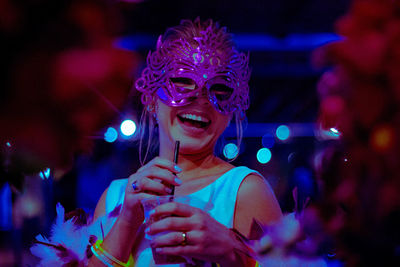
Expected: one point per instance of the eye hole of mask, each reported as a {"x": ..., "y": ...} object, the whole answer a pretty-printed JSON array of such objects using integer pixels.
[
  {"x": 183, "y": 85},
  {"x": 221, "y": 92}
]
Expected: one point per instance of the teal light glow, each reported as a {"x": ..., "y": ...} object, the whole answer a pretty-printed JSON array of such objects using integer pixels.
[
  {"x": 230, "y": 151},
  {"x": 111, "y": 135},
  {"x": 264, "y": 155},
  {"x": 45, "y": 174},
  {"x": 282, "y": 132}
]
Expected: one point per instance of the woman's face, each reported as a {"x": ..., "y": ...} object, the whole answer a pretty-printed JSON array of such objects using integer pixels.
[{"x": 197, "y": 125}]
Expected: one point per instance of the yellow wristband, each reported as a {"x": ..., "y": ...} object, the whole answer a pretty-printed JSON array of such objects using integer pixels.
[
  {"x": 108, "y": 259},
  {"x": 101, "y": 257}
]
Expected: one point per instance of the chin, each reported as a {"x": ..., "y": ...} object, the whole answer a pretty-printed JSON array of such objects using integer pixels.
[{"x": 190, "y": 145}]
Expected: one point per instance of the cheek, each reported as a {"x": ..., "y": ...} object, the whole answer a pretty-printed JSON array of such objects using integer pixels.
[
  {"x": 163, "y": 112},
  {"x": 222, "y": 123}
]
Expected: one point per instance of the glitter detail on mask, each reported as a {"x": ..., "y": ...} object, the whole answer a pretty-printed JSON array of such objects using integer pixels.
[{"x": 181, "y": 70}]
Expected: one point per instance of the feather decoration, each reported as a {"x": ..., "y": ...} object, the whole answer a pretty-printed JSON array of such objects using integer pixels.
[{"x": 69, "y": 241}]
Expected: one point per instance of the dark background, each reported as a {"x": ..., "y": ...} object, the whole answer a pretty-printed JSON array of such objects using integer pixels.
[{"x": 280, "y": 36}]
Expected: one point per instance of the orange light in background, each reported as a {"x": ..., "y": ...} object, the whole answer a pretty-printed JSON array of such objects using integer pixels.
[{"x": 382, "y": 138}]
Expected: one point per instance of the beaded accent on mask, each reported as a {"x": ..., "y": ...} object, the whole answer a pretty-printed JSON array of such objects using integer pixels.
[{"x": 209, "y": 63}]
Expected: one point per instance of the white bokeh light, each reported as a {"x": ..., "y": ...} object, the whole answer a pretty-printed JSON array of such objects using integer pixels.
[{"x": 128, "y": 127}]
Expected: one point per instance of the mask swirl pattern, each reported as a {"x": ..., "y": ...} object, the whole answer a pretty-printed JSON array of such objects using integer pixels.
[{"x": 182, "y": 69}]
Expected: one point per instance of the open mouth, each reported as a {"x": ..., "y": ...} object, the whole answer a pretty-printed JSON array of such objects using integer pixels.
[{"x": 192, "y": 120}]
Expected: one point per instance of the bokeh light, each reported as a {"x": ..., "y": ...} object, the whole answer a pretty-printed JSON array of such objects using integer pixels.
[
  {"x": 304, "y": 180},
  {"x": 111, "y": 135},
  {"x": 282, "y": 132},
  {"x": 45, "y": 174},
  {"x": 382, "y": 138},
  {"x": 328, "y": 134},
  {"x": 128, "y": 127},
  {"x": 264, "y": 155},
  {"x": 268, "y": 140},
  {"x": 334, "y": 131},
  {"x": 230, "y": 151}
]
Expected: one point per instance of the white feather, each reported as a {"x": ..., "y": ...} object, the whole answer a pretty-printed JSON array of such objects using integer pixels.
[{"x": 74, "y": 238}]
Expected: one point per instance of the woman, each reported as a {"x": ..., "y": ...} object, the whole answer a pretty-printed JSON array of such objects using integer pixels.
[{"x": 194, "y": 84}]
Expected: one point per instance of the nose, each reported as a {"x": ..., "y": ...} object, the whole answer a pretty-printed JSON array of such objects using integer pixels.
[{"x": 202, "y": 99}]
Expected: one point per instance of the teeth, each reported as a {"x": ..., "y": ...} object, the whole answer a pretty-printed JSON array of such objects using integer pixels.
[{"x": 194, "y": 117}]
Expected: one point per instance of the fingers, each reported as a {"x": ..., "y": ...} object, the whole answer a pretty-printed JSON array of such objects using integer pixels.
[
  {"x": 173, "y": 208},
  {"x": 157, "y": 177},
  {"x": 163, "y": 163},
  {"x": 170, "y": 224},
  {"x": 159, "y": 170},
  {"x": 151, "y": 186},
  {"x": 174, "y": 238},
  {"x": 161, "y": 174},
  {"x": 177, "y": 250}
]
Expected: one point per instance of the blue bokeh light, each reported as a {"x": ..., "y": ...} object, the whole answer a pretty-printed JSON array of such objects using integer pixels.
[
  {"x": 268, "y": 140},
  {"x": 282, "y": 132},
  {"x": 128, "y": 127},
  {"x": 111, "y": 135},
  {"x": 304, "y": 180},
  {"x": 230, "y": 151},
  {"x": 264, "y": 155}
]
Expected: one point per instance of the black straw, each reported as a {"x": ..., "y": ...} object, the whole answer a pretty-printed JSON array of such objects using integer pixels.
[{"x": 176, "y": 155}]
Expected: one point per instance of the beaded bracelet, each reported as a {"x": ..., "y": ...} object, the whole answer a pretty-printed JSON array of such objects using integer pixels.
[{"x": 108, "y": 259}]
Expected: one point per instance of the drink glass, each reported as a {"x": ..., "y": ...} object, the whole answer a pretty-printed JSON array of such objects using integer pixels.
[{"x": 151, "y": 203}]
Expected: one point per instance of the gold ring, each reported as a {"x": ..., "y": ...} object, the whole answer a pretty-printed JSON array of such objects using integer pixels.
[{"x": 184, "y": 239}]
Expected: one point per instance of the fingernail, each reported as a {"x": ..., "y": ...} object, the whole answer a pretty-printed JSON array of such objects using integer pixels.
[
  {"x": 178, "y": 181},
  {"x": 168, "y": 190},
  {"x": 147, "y": 230},
  {"x": 152, "y": 212},
  {"x": 176, "y": 167}
]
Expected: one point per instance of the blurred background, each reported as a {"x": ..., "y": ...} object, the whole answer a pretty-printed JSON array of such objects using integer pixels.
[{"x": 281, "y": 139}]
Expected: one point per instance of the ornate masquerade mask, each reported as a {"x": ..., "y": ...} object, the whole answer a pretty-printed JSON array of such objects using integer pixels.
[{"x": 181, "y": 70}]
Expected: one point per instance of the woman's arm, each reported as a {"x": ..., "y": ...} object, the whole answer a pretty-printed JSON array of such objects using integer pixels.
[
  {"x": 122, "y": 236},
  {"x": 255, "y": 200}
]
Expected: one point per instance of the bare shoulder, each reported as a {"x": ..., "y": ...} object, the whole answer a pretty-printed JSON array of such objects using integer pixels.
[
  {"x": 255, "y": 200},
  {"x": 256, "y": 186},
  {"x": 101, "y": 206}
]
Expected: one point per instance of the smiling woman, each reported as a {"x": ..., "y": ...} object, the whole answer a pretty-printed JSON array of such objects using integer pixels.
[
  {"x": 193, "y": 60},
  {"x": 194, "y": 84}
]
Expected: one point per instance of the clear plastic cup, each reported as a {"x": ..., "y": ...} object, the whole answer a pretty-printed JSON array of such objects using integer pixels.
[{"x": 151, "y": 203}]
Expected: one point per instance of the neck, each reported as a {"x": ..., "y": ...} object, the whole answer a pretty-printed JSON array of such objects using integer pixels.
[{"x": 193, "y": 164}]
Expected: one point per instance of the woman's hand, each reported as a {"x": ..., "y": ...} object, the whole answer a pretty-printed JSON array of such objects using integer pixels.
[
  {"x": 155, "y": 178},
  {"x": 206, "y": 239}
]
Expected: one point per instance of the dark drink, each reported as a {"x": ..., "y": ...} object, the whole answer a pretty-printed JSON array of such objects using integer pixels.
[{"x": 166, "y": 259}]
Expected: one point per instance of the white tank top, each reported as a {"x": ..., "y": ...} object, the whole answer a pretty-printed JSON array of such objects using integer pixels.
[{"x": 220, "y": 196}]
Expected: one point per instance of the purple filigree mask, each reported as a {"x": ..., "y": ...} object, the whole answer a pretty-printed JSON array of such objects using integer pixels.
[{"x": 179, "y": 71}]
